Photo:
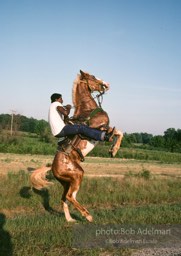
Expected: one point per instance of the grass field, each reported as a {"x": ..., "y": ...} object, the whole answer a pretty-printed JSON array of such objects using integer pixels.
[{"x": 115, "y": 191}]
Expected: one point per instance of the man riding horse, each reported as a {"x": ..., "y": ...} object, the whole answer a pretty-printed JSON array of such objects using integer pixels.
[
  {"x": 66, "y": 166},
  {"x": 59, "y": 113}
]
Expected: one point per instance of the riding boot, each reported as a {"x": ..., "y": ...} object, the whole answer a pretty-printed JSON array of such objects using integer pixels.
[{"x": 109, "y": 135}]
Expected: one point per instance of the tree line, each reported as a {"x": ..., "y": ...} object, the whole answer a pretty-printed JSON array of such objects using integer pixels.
[
  {"x": 171, "y": 140},
  {"x": 25, "y": 124}
]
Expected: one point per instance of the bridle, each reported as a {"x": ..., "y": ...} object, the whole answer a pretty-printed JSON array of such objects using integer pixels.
[
  {"x": 100, "y": 97},
  {"x": 101, "y": 90}
]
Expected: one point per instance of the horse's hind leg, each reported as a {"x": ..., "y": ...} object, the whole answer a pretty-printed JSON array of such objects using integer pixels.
[
  {"x": 64, "y": 201},
  {"x": 71, "y": 181},
  {"x": 69, "y": 174},
  {"x": 71, "y": 196}
]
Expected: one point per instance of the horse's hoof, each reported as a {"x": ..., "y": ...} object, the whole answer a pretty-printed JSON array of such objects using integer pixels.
[
  {"x": 111, "y": 153},
  {"x": 71, "y": 220},
  {"x": 89, "y": 218}
]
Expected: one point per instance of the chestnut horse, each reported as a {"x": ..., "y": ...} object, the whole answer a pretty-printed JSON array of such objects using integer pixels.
[{"x": 66, "y": 166}]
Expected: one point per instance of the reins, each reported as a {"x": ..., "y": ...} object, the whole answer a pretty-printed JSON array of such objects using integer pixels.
[{"x": 99, "y": 96}]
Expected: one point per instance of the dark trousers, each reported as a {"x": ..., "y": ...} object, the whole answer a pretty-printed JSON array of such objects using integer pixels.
[{"x": 83, "y": 130}]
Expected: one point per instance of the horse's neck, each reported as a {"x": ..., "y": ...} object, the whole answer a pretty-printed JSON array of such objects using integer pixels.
[{"x": 84, "y": 102}]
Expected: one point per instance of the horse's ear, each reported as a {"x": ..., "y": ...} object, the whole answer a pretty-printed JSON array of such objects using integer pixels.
[{"x": 82, "y": 73}]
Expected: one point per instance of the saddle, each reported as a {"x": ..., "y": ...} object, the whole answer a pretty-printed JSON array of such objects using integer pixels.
[{"x": 70, "y": 143}]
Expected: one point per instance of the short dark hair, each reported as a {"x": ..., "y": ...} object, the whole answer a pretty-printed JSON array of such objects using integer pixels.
[{"x": 55, "y": 96}]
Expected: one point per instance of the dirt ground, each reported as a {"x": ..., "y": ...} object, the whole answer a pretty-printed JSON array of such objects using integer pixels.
[{"x": 99, "y": 167}]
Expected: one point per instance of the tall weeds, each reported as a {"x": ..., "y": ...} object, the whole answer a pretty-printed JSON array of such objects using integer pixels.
[{"x": 35, "y": 225}]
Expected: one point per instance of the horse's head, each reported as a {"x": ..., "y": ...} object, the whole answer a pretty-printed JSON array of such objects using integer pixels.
[{"x": 94, "y": 84}]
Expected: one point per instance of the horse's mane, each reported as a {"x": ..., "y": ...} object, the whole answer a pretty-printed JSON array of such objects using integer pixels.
[{"x": 75, "y": 83}]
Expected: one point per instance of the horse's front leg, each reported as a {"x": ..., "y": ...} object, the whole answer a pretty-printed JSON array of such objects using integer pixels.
[{"x": 117, "y": 139}]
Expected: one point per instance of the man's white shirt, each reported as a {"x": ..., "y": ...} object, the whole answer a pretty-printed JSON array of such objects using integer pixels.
[{"x": 55, "y": 119}]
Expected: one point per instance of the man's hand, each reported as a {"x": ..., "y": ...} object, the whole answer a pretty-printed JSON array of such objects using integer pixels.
[
  {"x": 68, "y": 106},
  {"x": 65, "y": 110}
]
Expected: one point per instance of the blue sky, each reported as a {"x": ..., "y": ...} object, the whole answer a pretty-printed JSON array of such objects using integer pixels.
[{"x": 132, "y": 44}]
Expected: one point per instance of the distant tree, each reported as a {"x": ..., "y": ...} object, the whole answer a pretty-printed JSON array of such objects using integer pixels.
[
  {"x": 126, "y": 140},
  {"x": 40, "y": 126},
  {"x": 178, "y": 135},
  {"x": 32, "y": 125},
  {"x": 146, "y": 138},
  {"x": 22, "y": 123},
  {"x": 178, "y": 139},
  {"x": 157, "y": 141},
  {"x": 24, "y": 126},
  {"x": 138, "y": 137},
  {"x": 170, "y": 136},
  {"x": 133, "y": 138},
  {"x": 43, "y": 130},
  {"x": 5, "y": 121}
]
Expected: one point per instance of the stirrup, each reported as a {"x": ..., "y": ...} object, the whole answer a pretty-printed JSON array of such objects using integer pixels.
[{"x": 61, "y": 141}]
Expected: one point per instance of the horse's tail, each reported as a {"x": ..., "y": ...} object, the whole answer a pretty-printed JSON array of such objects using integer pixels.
[{"x": 38, "y": 178}]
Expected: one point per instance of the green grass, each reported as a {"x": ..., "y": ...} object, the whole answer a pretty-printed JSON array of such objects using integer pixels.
[
  {"x": 25, "y": 143},
  {"x": 139, "y": 154},
  {"x": 134, "y": 189},
  {"x": 37, "y": 227}
]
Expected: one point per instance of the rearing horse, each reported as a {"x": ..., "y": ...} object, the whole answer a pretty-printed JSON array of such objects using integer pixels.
[{"x": 66, "y": 166}]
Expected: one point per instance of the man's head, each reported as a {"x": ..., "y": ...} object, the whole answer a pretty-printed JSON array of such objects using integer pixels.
[{"x": 55, "y": 96}]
